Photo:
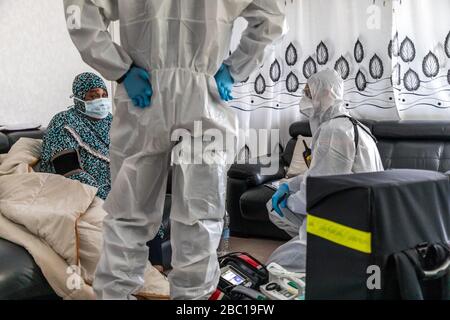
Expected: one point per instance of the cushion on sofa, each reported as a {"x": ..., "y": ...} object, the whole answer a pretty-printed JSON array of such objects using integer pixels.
[
  {"x": 415, "y": 154},
  {"x": 414, "y": 144},
  {"x": 302, "y": 128},
  {"x": 413, "y": 130}
]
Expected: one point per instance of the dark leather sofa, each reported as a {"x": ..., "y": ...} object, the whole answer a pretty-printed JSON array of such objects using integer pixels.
[
  {"x": 402, "y": 145},
  {"x": 20, "y": 277}
]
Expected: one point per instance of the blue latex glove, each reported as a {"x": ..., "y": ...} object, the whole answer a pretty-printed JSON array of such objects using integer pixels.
[
  {"x": 224, "y": 82},
  {"x": 138, "y": 86},
  {"x": 279, "y": 199}
]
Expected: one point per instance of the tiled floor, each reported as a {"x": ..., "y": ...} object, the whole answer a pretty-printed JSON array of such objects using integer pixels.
[{"x": 260, "y": 249}]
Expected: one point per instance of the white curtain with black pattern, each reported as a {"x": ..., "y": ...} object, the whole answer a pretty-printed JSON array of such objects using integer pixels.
[
  {"x": 269, "y": 98},
  {"x": 421, "y": 58},
  {"x": 393, "y": 56}
]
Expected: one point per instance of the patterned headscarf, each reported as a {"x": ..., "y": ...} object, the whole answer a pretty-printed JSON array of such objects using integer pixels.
[{"x": 84, "y": 83}]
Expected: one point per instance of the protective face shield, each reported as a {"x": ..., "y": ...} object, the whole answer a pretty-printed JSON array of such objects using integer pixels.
[{"x": 98, "y": 108}]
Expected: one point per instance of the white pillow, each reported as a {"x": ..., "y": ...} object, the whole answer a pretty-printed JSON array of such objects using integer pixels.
[{"x": 298, "y": 165}]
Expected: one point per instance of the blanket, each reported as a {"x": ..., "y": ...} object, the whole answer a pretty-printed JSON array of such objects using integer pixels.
[{"x": 59, "y": 222}]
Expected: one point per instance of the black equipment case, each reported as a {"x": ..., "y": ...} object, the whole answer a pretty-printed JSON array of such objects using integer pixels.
[{"x": 378, "y": 235}]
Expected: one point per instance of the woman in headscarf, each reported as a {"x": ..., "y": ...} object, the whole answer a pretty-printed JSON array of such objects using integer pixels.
[{"x": 76, "y": 144}]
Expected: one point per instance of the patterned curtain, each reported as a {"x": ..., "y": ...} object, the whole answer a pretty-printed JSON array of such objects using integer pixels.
[
  {"x": 393, "y": 56},
  {"x": 420, "y": 50}
]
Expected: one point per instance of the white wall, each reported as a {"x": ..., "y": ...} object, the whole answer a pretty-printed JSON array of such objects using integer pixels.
[{"x": 38, "y": 61}]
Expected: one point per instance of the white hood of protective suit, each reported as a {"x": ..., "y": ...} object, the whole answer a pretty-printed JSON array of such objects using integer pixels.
[{"x": 327, "y": 92}]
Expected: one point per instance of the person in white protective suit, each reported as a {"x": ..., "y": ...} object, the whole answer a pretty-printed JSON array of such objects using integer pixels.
[
  {"x": 340, "y": 145},
  {"x": 177, "y": 46}
]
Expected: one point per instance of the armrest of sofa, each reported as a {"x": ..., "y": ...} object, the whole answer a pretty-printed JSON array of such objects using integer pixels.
[
  {"x": 242, "y": 178},
  {"x": 14, "y": 136},
  {"x": 259, "y": 171},
  {"x": 9, "y": 138},
  {"x": 4, "y": 143}
]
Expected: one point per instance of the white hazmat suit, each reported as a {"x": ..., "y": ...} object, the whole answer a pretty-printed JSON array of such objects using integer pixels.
[
  {"x": 182, "y": 44},
  {"x": 333, "y": 153}
]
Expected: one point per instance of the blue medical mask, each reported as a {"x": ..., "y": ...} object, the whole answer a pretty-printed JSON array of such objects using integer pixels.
[{"x": 98, "y": 108}]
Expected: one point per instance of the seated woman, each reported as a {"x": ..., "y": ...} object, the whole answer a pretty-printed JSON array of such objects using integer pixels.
[{"x": 76, "y": 144}]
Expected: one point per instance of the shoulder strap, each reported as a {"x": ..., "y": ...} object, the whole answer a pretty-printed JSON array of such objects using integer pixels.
[
  {"x": 412, "y": 271},
  {"x": 357, "y": 124}
]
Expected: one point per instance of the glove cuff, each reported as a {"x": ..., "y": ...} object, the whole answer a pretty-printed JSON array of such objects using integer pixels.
[
  {"x": 229, "y": 72},
  {"x": 122, "y": 78}
]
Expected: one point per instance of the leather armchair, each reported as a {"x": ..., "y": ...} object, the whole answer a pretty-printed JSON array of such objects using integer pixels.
[
  {"x": 247, "y": 197},
  {"x": 421, "y": 145}
]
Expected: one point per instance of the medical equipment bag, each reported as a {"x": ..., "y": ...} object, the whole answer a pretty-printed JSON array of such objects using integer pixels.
[
  {"x": 241, "y": 269},
  {"x": 382, "y": 235}
]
